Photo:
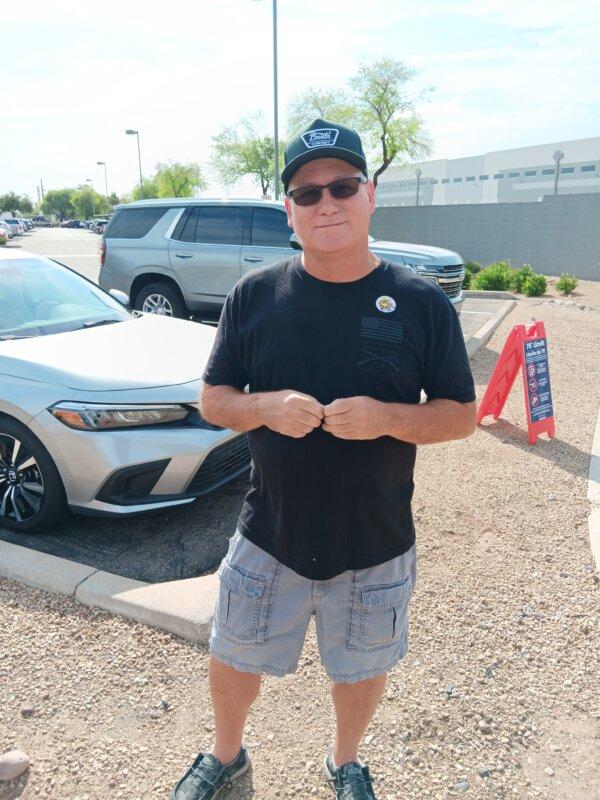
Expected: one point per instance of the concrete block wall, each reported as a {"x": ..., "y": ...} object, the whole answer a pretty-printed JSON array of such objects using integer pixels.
[{"x": 559, "y": 234}]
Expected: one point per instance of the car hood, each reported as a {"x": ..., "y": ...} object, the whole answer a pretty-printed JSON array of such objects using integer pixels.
[
  {"x": 421, "y": 252},
  {"x": 139, "y": 353}
]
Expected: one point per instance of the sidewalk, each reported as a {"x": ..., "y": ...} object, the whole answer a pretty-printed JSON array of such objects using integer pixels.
[{"x": 501, "y": 684}]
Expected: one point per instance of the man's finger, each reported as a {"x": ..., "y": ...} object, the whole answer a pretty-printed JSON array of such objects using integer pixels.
[{"x": 338, "y": 406}]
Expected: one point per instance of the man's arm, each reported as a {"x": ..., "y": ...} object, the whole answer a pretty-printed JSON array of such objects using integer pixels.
[
  {"x": 437, "y": 420},
  {"x": 288, "y": 412}
]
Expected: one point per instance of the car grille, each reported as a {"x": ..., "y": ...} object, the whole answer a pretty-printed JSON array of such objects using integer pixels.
[
  {"x": 452, "y": 288},
  {"x": 221, "y": 465},
  {"x": 451, "y": 267}
]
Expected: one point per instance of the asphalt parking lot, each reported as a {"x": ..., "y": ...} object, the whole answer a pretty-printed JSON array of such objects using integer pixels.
[{"x": 183, "y": 542}]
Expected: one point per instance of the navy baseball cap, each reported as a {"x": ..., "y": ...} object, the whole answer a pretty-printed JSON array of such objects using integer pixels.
[{"x": 323, "y": 139}]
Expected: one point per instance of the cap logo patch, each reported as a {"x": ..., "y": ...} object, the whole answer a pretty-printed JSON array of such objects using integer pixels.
[
  {"x": 321, "y": 137},
  {"x": 385, "y": 303}
]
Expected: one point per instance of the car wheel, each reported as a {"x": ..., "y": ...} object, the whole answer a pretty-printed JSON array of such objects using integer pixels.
[
  {"x": 161, "y": 298},
  {"x": 32, "y": 496}
]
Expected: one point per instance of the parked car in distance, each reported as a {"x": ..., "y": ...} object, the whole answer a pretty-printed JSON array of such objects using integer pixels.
[
  {"x": 15, "y": 225},
  {"x": 6, "y": 232},
  {"x": 40, "y": 221},
  {"x": 98, "y": 223},
  {"x": 180, "y": 257},
  {"x": 99, "y": 404},
  {"x": 71, "y": 223}
]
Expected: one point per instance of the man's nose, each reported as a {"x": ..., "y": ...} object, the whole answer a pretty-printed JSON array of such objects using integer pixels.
[{"x": 328, "y": 203}]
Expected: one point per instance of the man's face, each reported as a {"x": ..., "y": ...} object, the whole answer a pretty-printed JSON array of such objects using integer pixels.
[{"x": 330, "y": 226}]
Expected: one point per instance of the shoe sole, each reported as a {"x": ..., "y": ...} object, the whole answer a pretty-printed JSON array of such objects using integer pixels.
[
  {"x": 229, "y": 783},
  {"x": 329, "y": 776}
]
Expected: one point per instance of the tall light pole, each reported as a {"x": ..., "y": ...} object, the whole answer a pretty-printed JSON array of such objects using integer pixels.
[
  {"x": 103, "y": 164},
  {"x": 558, "y": 155},
  {"x": 130, "y": 132},
  {"x": 91, "y": 183},
  {"x": 418, "y": 174},
  {"x": 275, "y": 109}
]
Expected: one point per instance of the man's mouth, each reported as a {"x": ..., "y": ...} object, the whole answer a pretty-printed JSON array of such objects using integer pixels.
[{"x": 333, "y": 225}]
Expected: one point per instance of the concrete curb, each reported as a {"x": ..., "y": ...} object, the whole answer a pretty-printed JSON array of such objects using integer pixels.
[
  {"x": 489, "y": 294},
  {"x": 594, "y": 495},
  {"x": 183, "y": 607},
  {"x": 483, "y": 334}
]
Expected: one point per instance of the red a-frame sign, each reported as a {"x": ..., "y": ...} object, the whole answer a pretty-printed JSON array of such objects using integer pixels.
[{"x": 525, "y": 348}]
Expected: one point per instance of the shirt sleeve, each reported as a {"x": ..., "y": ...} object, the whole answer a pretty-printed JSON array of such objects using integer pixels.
[
  {"x": 447, "y": 371},
  {"x": 225, "y": 362}
]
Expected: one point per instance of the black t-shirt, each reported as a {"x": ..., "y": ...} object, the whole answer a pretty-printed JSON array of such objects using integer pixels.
[{"x": 321, "y": 504}]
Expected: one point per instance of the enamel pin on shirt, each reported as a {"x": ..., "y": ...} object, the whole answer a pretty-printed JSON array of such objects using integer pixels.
[{"x": 385, "y": 303}]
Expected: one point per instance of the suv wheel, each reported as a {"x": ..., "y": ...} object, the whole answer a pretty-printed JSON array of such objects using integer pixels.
[
  {"x": 32, "y": 497},
  {"x": 161, "y": 298}
]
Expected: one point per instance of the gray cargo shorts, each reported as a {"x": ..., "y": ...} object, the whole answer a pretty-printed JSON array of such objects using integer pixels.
[{"x": 263, "y": 610}]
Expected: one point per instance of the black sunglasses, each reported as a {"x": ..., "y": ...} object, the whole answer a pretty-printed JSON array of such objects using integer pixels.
[{"x": 340, "y": 190}]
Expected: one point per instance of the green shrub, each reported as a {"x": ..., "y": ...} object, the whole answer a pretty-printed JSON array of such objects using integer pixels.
[
  {"x": 496, "y": 277},
  {"x": 535, "y": 285},
  {"x": 566, "y": 283},
  {"x": 473, "y": 267},
  {"x": 3, "y": 238},
  {"x": 519, "y": 276},
  {"x": 468, "y": 278}
]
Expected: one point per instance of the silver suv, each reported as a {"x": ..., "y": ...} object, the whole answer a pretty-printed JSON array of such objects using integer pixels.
[{"x": 180, "y": 257}]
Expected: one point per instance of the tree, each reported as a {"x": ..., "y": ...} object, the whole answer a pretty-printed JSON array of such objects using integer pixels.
[
  {"x": 175, "y": 179},
  {"x": 58, "y": 202},
  {"x": 245, "y": 149},
  {"x": 328, "y": 104},
  {"x": 12, "y": 203},
  {"x": 378, "y": 107},
  {"x": 150, "y": 190},
  {"x": 88, "y": 203},
  {"x": 113, "y": 199}
]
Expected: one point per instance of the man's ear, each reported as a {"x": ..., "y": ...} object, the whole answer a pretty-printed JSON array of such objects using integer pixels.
[
  {"x": 371, "y": 195},
  {"x": 288, "y": 210}
]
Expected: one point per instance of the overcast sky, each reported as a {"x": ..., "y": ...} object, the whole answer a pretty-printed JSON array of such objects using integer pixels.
[{"x": 506, "y": 73}]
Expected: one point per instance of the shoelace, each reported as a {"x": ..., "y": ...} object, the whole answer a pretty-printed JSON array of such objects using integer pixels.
[
  {"x": 207, "y": 768},
  {"x": 350, "y": 781}
]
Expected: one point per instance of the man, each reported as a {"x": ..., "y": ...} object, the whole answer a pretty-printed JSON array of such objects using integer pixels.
[{"x": 335, "y": 346}]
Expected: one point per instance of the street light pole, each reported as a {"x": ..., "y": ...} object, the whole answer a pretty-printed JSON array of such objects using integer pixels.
[
  {"x": 103, "y": 164},
  {"x": 558, "y": 155},
  {"x": 418, "y": 174},
  {"x": 275, "y": 104},
  {"x": 275, "y": 109},
  {"x": 131, "y": 133}
]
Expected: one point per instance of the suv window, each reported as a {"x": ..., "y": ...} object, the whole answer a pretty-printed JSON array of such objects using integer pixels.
[
  {"x": 186, "y": 230},
  {"x": 219, "y": 225},
  {"x": 133, "y": 223},
  {"x": 270, "y": 228}
]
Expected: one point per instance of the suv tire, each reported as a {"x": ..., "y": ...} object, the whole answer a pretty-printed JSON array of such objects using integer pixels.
[
  {"x": 30, "y": 487},
  {"x": 161, "y": 295}
]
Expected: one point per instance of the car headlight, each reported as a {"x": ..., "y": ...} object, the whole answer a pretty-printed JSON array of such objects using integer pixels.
[{"x": 98, "y": 417}]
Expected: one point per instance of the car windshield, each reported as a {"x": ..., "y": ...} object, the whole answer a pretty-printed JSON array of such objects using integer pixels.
[{"x": 40, "y": 297}]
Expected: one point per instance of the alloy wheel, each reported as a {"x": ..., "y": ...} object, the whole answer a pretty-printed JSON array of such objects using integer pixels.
[
  {"x": 21, "y": 482},
  {"x": 157, "y": 304}
]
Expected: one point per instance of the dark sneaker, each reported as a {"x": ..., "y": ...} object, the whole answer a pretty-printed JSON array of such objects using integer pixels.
[
  {"x": 207, "y": 776},
  {"x": 351, "y": 781}
]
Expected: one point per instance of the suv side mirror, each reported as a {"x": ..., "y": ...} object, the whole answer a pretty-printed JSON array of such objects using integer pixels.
[{"x": 294, "y": 243}]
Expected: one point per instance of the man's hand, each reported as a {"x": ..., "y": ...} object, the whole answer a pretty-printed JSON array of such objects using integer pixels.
[
  {"x": 355, "y": 418},
  {"x": 290, "y": 413}
]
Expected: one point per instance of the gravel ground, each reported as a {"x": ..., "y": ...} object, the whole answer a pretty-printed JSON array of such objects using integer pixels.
[{"x": 499, "y": 696}]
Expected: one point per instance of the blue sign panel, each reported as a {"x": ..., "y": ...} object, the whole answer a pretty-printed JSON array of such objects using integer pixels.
[{"x": 537, "y": 378}]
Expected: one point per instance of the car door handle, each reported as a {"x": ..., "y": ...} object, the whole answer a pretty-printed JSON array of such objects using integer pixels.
[
  {"x": 184, "y": 255},
  {"x": 253, "y": 259}
]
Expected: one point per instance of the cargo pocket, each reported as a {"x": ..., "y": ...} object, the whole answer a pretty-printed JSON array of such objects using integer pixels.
[
  {"x": 379, "y": 614},
  {"x": 239, "y": 607}
]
